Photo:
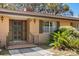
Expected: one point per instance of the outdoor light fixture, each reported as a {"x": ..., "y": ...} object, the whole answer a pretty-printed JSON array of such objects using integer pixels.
[{"x": 2, "y": 18}]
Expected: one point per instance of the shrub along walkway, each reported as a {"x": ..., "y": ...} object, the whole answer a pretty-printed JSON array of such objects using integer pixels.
[{"x": 36, "y": 51}]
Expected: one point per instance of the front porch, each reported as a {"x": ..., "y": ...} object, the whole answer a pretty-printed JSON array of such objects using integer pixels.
[{"x": 19, "y": 34}]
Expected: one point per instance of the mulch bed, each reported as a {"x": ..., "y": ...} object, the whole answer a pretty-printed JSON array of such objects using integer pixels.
[{"x": 60, "y": 52}]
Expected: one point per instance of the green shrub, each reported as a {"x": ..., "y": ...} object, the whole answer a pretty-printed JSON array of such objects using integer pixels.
[
  {"x": 65, "y": 37},
  {"x": 74, "y": 43},
  {"x": 50, "y": 39}
]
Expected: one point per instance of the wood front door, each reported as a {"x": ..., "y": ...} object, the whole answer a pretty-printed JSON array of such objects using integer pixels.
[{"x": 18, "y": 29}]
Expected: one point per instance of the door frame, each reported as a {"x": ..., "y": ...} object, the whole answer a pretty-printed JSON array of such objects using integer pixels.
[{"x": 10, "y": 31}]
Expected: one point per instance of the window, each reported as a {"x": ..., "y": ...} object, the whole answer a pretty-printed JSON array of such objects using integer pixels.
[
  {"x": 78, "y": 27},
  {"x": 75, "y": 25},
  {"x": 48, "y": 26},
  {"x": 53, "y": 26},
  {"x": 15, "y": 23},
  {"x": 15, "y": 37},
  {"x": 19, "y": 37}
]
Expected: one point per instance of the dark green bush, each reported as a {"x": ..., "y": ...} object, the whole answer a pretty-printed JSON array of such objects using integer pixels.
[{"x": 50, "y": 39}]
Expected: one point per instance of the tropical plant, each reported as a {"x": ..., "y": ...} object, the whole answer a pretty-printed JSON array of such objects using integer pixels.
[
  {"x": 50, "y": 39},
  {"x": 65, "y": 38},
  {"x": 60, "y": 39}
]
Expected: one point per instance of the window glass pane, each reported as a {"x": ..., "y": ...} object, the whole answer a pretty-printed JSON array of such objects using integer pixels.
[
  {"x": 50, "y": 23},
  {"x": 15, "y": 37},
  {"x": 49, "y": 26},
  {"x": 40, "y": 26},
  {"x": 15, "y": 32},
  {"x": 45, "y": 26},
  {"x": 15, "y": 22},
  {"x": 77, "y": 26},
  {"x": 53, "y": 27},
  {"x": 19, "y": 37}
]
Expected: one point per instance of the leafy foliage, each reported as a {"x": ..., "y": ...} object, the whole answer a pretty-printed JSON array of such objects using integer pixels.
[
  {"x": 7, "y": 6},
  {"x": 60, "y": 9},
  {"x": 65, "y": 38},
  {"x": 52, "y": 8}
]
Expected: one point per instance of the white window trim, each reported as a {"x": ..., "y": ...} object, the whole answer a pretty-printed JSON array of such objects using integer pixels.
[{"x": 49, "y": 27}]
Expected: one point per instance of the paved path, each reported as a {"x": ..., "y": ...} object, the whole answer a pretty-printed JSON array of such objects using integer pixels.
[{"x": 36, "y": 51}]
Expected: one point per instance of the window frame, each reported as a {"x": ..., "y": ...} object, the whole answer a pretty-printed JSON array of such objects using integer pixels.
[
  {"x": 75, "y": 25},
  {"x": 49, "y": 26}
]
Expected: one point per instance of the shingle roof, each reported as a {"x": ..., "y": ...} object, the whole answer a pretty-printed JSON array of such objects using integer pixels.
[{"x": 23, "y": 13}]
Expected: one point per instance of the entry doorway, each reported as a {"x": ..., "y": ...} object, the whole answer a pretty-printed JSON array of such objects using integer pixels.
[{"x": 18, "y": 30}]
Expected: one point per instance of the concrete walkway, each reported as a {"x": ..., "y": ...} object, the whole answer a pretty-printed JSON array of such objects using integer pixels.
[{"x": 36, "y": 51}]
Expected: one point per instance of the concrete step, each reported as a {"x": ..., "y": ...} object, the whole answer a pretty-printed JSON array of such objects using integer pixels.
[
  {"x": 21, "y": 46},
  {"x": 17, "y": 42}
]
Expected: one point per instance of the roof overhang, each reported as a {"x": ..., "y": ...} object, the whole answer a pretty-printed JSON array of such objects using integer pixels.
[{"x": 24, "y": 15}]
